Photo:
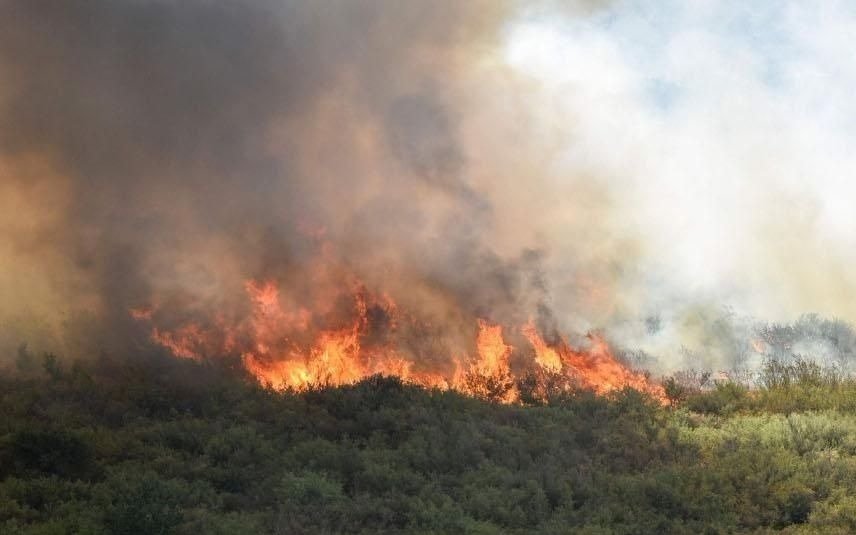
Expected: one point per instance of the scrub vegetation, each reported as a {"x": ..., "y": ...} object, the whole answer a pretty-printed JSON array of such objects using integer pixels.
[{"x": 179, "y": 447}]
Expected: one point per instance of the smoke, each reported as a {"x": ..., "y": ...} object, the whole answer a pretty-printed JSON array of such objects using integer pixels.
[
  {"x": 162, "y": 153},
  {"x": 472, "y": 159},
  {"x": 721, "y": 130}
]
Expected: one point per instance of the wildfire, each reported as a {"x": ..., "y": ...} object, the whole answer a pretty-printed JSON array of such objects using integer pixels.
[
  {"x": 284, "y": 348},
  {"x": 546, "y": 357},
  {"x": 598, "y": 369},
  {"x": 490, "y": 375},
  {"x": 758, "y": 345}
]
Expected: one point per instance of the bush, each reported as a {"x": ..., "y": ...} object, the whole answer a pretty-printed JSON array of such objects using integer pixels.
[
  {"x": 725, "y": 398},
  {"x": 134, "y": 451},
  {"x": 48, "y": 451},
  {"x": 143, "y": 505}
]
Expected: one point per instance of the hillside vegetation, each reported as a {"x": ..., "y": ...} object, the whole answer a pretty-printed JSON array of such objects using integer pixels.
[{"x": 185, "y": 448}]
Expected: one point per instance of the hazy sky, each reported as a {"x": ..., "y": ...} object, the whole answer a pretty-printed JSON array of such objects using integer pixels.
[{"x": 725, "y": 129}]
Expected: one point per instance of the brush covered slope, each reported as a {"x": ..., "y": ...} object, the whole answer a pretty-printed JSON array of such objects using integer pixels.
[{"x": 180, "y": 447}]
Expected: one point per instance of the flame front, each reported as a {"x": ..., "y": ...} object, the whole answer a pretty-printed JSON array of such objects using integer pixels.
[
  {"x": 546, "y": 357},
  {"x": 283, "y": 348}
]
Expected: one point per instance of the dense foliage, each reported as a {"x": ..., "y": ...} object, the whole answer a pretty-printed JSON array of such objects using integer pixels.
[{"x": 179, "y": 447}]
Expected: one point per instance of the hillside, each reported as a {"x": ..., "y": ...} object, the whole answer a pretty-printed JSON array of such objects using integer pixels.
[{"x": 179, "y": 447}]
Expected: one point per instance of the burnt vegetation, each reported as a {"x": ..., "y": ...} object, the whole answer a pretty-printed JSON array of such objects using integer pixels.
[{"x": 184, "y": 447}]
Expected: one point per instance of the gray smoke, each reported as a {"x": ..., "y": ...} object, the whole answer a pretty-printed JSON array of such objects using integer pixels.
[{"x": 189, "y": 146}]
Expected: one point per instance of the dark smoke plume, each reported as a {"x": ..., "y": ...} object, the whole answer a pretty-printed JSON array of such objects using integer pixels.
[{"x": 167, "y": 151}]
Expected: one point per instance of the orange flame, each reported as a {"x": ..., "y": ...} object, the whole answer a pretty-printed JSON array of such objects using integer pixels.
[
  {"x": 599, "y": 370},
  {"x": 493, "y": 352},
  {"x": 490, "y": 375},
  {"x": 546, "y": 357},
  {"x": 283, "y": 348}
]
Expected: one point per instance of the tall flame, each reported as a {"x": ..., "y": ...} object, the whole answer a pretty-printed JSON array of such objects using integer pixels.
[
  {"x": 546, "y": 357},
  {"x": 490, "y": 374}
]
